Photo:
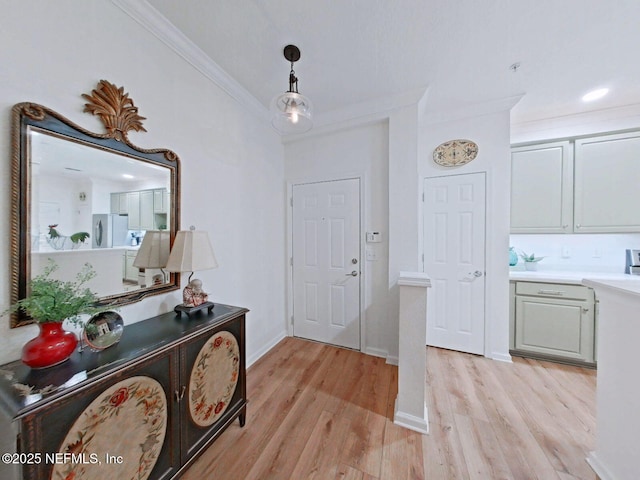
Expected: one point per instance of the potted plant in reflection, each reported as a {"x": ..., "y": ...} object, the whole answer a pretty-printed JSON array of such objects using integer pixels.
[
  {"x": 530, "y": 261},
  {"x": 50, "y": 302}
]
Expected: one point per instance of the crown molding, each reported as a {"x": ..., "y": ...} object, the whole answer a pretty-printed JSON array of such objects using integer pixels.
[
  {"x": 359, "y": 114},
  {"x": 583, "y": 123},
  {"x": 470, "y": 110},
  {"x": 152, "y": 20}
]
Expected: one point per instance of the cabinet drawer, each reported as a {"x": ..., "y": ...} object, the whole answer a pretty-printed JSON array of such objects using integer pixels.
[{"x": 554, "y": 290}]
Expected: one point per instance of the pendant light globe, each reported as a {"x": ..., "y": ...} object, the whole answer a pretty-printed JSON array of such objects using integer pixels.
[{"x": 291, "y": 112}]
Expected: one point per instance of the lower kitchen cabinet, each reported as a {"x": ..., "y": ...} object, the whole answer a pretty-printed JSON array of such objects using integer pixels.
[
  {"x": 144, "y": 408},
  {"x": 130, "y": 273},
  {"x": 554, "y": 321}
]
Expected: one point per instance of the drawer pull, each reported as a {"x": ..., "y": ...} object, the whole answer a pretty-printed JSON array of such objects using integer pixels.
[
  {"x": 551, "y": 292},
  {"x": 180, "y": 394}
]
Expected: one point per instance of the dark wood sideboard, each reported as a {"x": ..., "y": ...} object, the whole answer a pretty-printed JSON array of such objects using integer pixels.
[{"x": 143, "y": 408}]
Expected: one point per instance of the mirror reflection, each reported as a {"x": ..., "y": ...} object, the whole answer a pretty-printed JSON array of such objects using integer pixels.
[
  {"x": 91, "y": 205},
  {"x": 83, "y": 197}
]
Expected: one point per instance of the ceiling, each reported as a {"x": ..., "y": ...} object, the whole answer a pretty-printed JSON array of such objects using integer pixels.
[
  {"x": 359, "y": 51},
  {"x": 52, "y": 155}
]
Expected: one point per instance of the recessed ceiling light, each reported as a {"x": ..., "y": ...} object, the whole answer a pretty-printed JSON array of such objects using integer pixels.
[
  {"x": 126, "y": 175},
  {"x": 595, "y": 94}
]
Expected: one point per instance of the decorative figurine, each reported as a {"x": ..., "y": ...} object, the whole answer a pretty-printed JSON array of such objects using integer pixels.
[{"x": 192, "y": 295}]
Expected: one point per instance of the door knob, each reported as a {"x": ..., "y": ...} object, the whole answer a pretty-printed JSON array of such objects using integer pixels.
[
  {"x": 477, "y": 273},
  {"x": 352, "y": 274}
]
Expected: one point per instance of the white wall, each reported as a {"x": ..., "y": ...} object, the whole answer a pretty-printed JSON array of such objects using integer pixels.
[
  {"x": 491, "y": 132},
  {"x": 232, "y": 168},
  {"x": 359, "y": 151}
]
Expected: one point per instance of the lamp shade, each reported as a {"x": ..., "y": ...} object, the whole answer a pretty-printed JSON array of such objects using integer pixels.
[
  {"x": 192, "y": 251},
  {"x": 154, "y": 251}
]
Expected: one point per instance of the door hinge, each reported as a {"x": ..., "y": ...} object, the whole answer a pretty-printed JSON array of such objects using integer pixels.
[
  {"x": 292, "y": 320},
  {"x": 422, "y": 197},
  {"x": 291, "y": 261},
  {"x": 291, "y": 201}
]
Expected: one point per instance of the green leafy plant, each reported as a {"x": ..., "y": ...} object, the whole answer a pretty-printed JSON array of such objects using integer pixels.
[
  {"x": 79, "y": 237},
  {"x": 52, "y": 300},
  {"x": 530, "y": 258}
]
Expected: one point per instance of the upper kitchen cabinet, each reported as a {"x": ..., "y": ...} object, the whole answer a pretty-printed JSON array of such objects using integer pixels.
[
  {"x": 119, "y": 203},
  {"x": 606, "y": 183},
  {"x": 542, "y": 188},
  {"x": 146, "y": 209}
]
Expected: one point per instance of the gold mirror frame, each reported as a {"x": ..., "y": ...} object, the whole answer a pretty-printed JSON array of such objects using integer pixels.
[{"x": 119, "y": 115}]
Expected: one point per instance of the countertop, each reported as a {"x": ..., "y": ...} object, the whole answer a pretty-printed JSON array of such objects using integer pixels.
[
  {"x": 86, "y": 250},
  {"x": 629, "y": 285},
  {"x": 573, "y": 277}
]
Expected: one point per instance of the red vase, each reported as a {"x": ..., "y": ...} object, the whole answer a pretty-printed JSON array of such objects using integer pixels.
[{"x": 52, "y": 346}]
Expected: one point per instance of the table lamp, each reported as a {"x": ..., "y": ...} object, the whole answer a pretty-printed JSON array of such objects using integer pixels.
[
  {"x": 153, "y": 252},
  {"x": 192, "y": 251}
]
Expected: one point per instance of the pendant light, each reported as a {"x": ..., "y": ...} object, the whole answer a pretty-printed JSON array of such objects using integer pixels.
[{"x": 291, "y": 111}]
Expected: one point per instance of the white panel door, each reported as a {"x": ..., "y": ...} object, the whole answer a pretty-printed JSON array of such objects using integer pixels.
[
  {"x": 326, "y": 262},
  {"x": 454, "y": 237}
]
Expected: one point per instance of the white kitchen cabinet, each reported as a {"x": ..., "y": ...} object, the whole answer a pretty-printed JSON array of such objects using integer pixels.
[
  {"x": 130, "y": 272},
  {"x": 146, "y": 210},
  {"x": 119, "y": 203},
  {"x": 607, "y": 180},
  {"x": 512, "y": 314},
  {"x": 133, "y": 206},
  {"x": 542, "y": 188},
  {"x": 160, "y": 200},
  {"x": 555, "y": 321}
]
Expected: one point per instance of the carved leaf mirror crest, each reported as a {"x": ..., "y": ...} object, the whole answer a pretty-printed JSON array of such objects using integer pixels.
[{"x": 82, "y": 197}]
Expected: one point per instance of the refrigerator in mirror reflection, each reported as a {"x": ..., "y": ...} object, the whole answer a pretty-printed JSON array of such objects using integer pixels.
[{"x": 109, "y": 230}]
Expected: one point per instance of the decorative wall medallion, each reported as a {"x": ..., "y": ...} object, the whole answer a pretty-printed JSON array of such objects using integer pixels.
[
  {"x": 455, "y": 152},
  {"x": 214, "y": 378},
  {"x": 129, "y": 419}
]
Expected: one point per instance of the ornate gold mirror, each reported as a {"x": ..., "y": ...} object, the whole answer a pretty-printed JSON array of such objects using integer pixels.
[{"x": 82, "y": 197}]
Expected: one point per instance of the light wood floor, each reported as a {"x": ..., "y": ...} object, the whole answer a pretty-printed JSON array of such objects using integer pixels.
[{"x": 326, "y": 413}]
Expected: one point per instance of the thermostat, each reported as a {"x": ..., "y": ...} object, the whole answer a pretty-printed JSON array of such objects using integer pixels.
[{"x": 374, "y": 237}]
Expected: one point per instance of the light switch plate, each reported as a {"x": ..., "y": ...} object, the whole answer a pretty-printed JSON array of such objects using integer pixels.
[{"x": 374, "y": 237}]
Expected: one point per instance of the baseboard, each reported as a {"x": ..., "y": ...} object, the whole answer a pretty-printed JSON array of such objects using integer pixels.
[
  {"x": 501, "y": 357},
  {"x": 378, "y": 352},
  {"x": 596, "y": 465},
  {"x": 375, "y": 352},
  {"x": 265, "y": 348},
  {"x": 406, "y": 420}
]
